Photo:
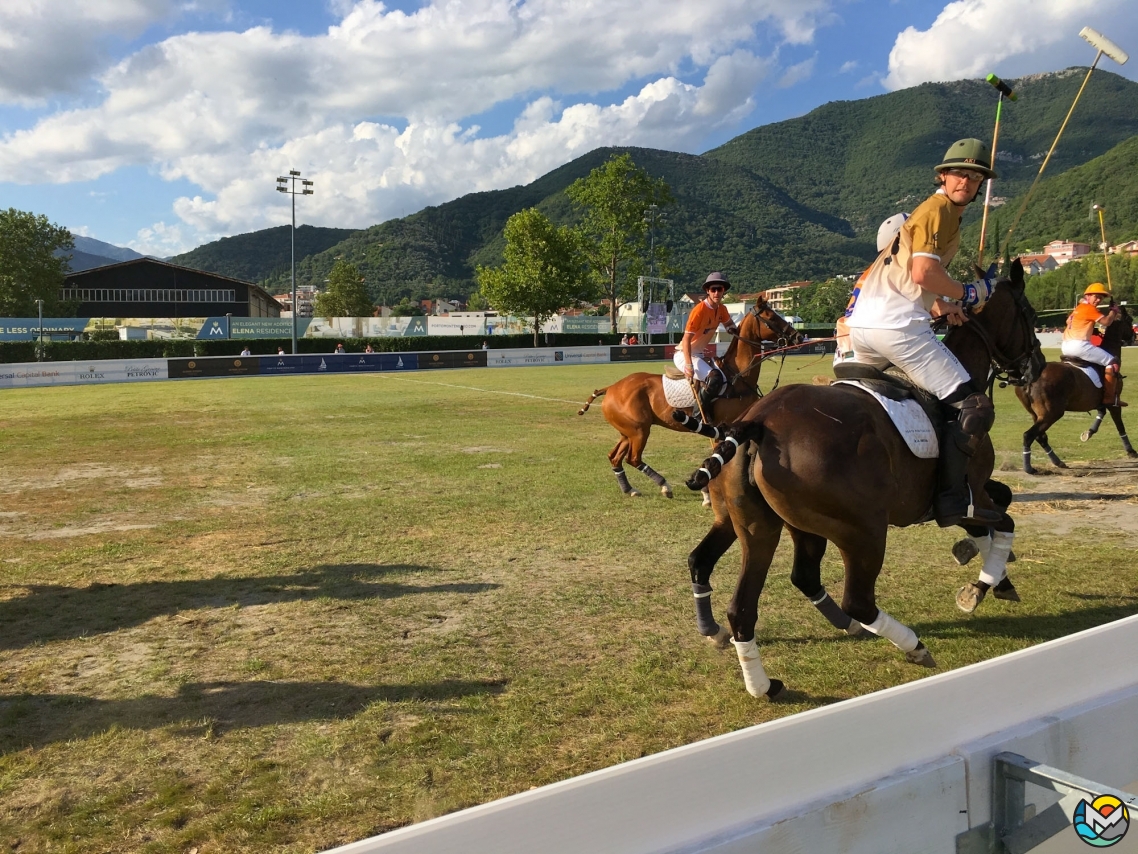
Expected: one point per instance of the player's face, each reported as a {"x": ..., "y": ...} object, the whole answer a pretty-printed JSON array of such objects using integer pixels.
[
  {"x": 715, "y": 294},
  {"x": 960, "y": 185}
]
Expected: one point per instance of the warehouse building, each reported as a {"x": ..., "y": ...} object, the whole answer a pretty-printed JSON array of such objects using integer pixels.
[{"x": 146, "y": 287}]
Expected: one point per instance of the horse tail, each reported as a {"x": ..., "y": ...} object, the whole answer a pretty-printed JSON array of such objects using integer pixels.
[
  {"x": 723, "y": 453},
  {"x": 589, "y": 402}
]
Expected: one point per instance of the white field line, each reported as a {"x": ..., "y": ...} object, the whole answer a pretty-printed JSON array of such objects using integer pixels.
[{"x": 474, "y": 388}]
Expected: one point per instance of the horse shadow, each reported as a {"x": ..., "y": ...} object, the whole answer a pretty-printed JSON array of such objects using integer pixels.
[
  {"x": 49, "y": 612},
  {"x": 208, "y": 709},
  {"x": 1038, "y": 627}
]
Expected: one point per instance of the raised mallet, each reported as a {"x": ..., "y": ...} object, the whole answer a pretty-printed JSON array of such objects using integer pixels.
[
  {"x": 1097, "y": 208},
  {"x": 1005, "y": 92},
  {"x": 1103, "y": 45}
]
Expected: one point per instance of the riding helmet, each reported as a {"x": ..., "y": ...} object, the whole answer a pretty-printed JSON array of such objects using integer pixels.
[
  {"x": 716, "y": 279},
  {"x": 1096, "y": 288},
  {"x": 968, "y": 154}
]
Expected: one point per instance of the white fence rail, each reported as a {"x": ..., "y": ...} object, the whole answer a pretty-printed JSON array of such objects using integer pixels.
[{"x": 902, "y": 770}]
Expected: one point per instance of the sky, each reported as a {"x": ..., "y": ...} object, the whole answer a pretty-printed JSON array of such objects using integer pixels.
[{"x": 164, "y": 124}]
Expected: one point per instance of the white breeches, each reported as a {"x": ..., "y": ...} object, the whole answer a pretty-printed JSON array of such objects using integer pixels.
[
  {"x": 1086, "y": 351},
  {"x": 700, "y": 366},
  {"x": 916, "y": 351}
]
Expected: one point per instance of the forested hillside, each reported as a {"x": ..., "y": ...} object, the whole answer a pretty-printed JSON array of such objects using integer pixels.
[
  {"x": 799, "y": 199},
  {"x": 258, "y": 255}
]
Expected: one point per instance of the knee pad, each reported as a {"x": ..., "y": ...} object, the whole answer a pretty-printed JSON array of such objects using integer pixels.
[{"x": 977, "y": 414}]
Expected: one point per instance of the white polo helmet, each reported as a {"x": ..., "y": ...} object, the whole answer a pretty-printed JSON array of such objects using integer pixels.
[{"x": 889, "y": 229}]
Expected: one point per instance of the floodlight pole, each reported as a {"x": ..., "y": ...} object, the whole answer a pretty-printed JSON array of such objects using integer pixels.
[
  {"x": 288, "y": 185},
  {"x": 39, "y": 343}
]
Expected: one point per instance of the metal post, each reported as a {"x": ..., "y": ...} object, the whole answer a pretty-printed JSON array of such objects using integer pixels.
[
  {"x": 39, "y": 343},
  {"x": 288, "y": 185}
]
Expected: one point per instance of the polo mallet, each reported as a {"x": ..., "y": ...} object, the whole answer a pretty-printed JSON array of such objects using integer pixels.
[
  {"x": 1103, "y": 45},
  {"x": 1005, "y": 92},
  {"x": 1096, "y": 207}
]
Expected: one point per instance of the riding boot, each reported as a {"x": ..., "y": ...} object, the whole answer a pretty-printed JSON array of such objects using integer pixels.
[
  {"x": 953, "y": 504},
  {"x": 1112, "y": 387},
  {"x": 709, "y": 392}
]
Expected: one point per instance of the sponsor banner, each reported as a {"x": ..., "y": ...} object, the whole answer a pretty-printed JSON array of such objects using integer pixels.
[
  {"x": 265, "y": 327},
  {"x": 453, "y": 359},
  {"x": 37, "y": 373},
  {"x": 218, "y": 366},
  {"x": 584, "y": 323},
  {"x": 656, "y": 320},
  {"x": 517, "y": 358},
  {"x": 582, "y": 355},
  {"x": 641, "y": 352},
  {"x": 28, "y": 328},
  {"x": 456, "y": 326},
  {"x": 812, "y": 348}
]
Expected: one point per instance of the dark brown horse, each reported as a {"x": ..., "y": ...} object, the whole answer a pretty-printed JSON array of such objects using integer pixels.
[
  {"x": 826, "y": 463},
  {"x": 1062, "y": 387},
  {"x": 636, "y": 404}
]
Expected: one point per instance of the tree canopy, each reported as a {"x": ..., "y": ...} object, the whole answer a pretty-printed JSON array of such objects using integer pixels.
[
  {"x": 614, "y": 199},
  {"x": 33, "y": 264},
  {"x": 346, "y": 295},
  {"x": 543, "y": 272}
]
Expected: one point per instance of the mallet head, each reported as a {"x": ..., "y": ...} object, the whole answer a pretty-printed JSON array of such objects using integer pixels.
[
  {"x": 1003, "y": 87},
  {"x": 1100, "y": 42}
]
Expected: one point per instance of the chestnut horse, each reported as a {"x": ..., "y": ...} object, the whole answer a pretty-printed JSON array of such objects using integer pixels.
[
  {"x": 1062, "y": 387},
  {"x": 635, "y": 404},
  {"x": 827, "y": 463}
]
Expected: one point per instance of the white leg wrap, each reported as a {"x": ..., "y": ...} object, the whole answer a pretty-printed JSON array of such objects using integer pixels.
[
  {"x": 995, "y": 567},
  {"x": 754, "y": 677},
  {"x": 902, "y": 637},
  {"x": 983, "y": 545}
]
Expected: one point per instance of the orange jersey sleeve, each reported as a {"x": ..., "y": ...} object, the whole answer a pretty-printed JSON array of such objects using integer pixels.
[{"x": 703, "y": 321}]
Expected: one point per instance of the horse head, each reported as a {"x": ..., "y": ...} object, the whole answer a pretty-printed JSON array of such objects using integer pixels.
[
  {"x": 1125, "y": 324},
  {"x": 773, "y": 326},
  {"x": 1006, "y": 325}
]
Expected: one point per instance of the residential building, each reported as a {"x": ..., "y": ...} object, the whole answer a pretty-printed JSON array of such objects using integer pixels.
[
  {"x": 1033, "y": 265},
  {"x": 1065, "y": 250}
]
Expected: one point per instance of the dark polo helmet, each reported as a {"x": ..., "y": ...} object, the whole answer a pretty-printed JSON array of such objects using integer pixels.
[
  {"x": 716, "y": 279},
  {"x": 968, "y": 154}
]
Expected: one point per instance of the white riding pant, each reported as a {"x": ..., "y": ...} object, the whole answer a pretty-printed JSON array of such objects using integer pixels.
[
  {"x": 1086, "y": 351},
  {"x": 914, "y": 349},
  {"x": 700, "y": 366}
]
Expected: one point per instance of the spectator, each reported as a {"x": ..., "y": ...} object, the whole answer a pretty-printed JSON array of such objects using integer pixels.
[
  {"x": 624, "y": 339},
  {"x": 340, "y": 349},
  {"x": 368, "y": 349},
  {"x": 633, "y": 340},
  {"x": 246, "y": 351},
  {"x": 280, "y": 351},
  {"x": 485, "y": 345}
]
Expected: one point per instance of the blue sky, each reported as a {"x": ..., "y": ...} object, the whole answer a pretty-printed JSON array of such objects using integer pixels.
[{"x": 162, "y": 124}]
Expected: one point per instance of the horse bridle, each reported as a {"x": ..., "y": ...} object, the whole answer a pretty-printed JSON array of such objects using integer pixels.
[
  {"x": 782, "y": 339},
  {"x": 1018, "y": 370}
]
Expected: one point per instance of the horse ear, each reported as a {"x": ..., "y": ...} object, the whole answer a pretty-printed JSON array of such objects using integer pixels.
[{"x": 1017, "y": 272}]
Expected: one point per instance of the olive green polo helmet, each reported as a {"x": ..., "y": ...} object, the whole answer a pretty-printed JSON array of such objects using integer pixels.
[{"x": 968, "y": 154}]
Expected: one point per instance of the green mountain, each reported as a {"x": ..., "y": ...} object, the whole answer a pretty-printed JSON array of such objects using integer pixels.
[
  {"x": 258, "y": 255},
  {"x": 792, "y": 200}
]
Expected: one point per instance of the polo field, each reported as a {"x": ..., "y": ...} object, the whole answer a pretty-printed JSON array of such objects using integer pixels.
[{"x": 286, "y": 613}]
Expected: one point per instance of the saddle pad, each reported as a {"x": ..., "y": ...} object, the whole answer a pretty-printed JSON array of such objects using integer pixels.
[
  {"x": 1092, "y": 373},
  {"x": 909, "y": 419},
  {"x": 678, "y": 393}
]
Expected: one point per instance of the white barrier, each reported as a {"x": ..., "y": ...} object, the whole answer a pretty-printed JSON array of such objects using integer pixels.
[
  {"x": 83, "y": 373},
  {"x": 902, "y": 770}
]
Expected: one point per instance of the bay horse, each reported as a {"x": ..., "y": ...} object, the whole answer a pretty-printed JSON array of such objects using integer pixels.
[
  {"x": 635, "y": 404},
  {"x": 1063, "y": 387},
  {"x": 826, "y": 463}
]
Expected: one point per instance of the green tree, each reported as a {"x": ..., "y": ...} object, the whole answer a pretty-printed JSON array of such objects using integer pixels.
[
  {"x": 543, "y": 271},
  {"x": 613, "y": 199},
  {"x": 346, "y": 295},
  {"x": 30, "y": 269},
  {"x": 822, "y": 302}
]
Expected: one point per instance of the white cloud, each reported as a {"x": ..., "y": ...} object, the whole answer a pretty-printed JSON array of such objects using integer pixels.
[
  {"x": 52, "y": 46},
  {"x": 797, "y": 73},
  {"x": 374, "y": 107},
  {"x": 849, "y": 66},
  {"x": 972, "y": 38}
]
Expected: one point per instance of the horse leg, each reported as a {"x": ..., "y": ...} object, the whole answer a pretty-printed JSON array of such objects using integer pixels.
[
  {"x": 636, "y": 443},
  {"x": 980, "y": 537},
  {"x": 706, "y": 497},
  {"x": 616, "y": 458},
  {"x": 806, "y": 575},
  {"x": 863, "y": 557},
  {"x": 657, "y": 479},
  {"x": 1051, "y": 455},
  {"x": 701, "y": 562},
  {"x": 994, "y": 572},
  {"x": 1116, "y": 416},
  {"x": 759, "y": 529},
  {"x": 1088, "y": 433}
]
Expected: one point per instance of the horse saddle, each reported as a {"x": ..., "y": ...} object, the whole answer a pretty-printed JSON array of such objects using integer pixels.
[
  {"x": 1093, "y": 371},
  {"x": 915, "y": 412},
  {"x": 674, "y": 373}
]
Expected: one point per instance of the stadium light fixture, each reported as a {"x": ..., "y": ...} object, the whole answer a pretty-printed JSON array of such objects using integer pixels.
[{"x": 288, "y": 185}]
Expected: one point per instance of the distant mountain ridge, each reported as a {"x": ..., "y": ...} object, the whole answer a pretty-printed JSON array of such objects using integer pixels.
[
  {"x": 799, "y": 199},
  {"x": 97, "y": 248}
]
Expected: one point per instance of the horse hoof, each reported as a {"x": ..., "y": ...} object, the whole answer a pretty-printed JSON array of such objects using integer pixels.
[
  {"x": 1029, "y": 470},
  {"x": 1011, "y": 557},
  {"x": 1008, "y": 593},
  {"x": 1086, "y": 436},
  {"x": 632, "y": 493},
  {"x": 1060, "y": 464},
  {"x": 964, "y": 550},
  {"x": 721, "y": 639},
  {"x": 921, "y": 656},
  {"x": 776, "y": 691},
  {"x": 855, "y": 629},
  {"x": 969, "y": 597},
  {"x": 666, "y": 491},
  {"x": 1132, "y": 454}
]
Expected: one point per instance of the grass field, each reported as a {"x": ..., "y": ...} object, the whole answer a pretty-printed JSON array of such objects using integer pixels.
[{"x": 281, "y": 614}]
